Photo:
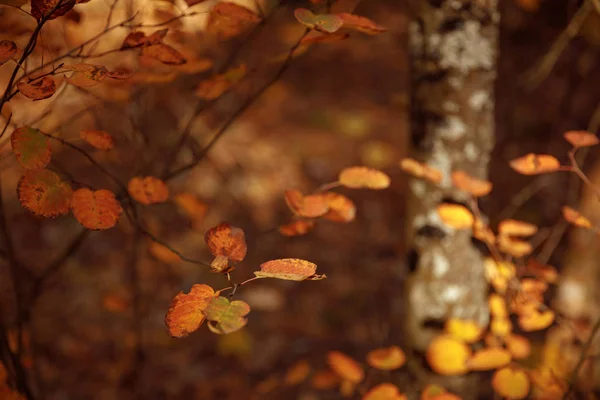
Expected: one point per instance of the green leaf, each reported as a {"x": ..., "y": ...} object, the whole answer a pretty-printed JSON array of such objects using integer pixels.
[
  {"x": 224, "y": 316},
  {"x": 31, "y": 148}
]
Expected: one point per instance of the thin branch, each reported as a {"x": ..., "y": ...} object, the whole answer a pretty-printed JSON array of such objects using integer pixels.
[{"x": 586, "y": 347}]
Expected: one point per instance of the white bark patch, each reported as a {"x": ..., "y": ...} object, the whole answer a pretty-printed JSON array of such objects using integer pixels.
[
  {"x": 440, "y": 263},
  {"x": 418, "y": 187},
  {"x": 452, "y": 293},
  {"x": 453, "y": 129},
  {"x": 465, "y": 49},
  {"x": 441, "y": 160},
  {"x": 479, "y": 99},
  {"x": 471, "y": 151}
]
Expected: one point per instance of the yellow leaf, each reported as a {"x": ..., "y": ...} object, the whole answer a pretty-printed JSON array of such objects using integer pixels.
[
  {"x": 386, "y": 358},
  {"x": 534, "y": 164},
  {"x": 448, "y": 356},
  {"x": 420, "y": 170},
  {"x": 489, "y": 358},
  {"x": 511, "y": 382},
  {"x": 363, "y": 177},
  {"x": 466, "y": 330},
  {"x": 455, "y": 215},
  {"x": 474, "y": 186}
]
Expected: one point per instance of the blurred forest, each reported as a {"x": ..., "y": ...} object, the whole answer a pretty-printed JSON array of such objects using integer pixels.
[{"x": 85, "y": 310}]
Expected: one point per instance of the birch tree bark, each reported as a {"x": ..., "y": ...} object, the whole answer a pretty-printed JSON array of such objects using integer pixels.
[{"x": 453, "y": 46}]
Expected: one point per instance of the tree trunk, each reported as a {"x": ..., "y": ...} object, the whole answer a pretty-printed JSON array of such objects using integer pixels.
[{"x": 453, "y": 45}]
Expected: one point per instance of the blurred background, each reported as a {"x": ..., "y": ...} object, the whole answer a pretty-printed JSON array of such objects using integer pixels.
[{"x": 96, "y": 330}]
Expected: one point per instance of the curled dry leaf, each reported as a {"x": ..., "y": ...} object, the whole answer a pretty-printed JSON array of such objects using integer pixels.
[
  {"x": 148, "y": 190},
  {"x": 120, "y": 74},
  {"x": 511, "y": 383},
  {"x": 8, "y": 49},
  {"x": 48, "y": 9},
  {"x": 95, "y": 209},
  {"x": 227, "y": 20},
  {"x": 324, "y": 22},
  {"x": 455, "y": 216},
  {"x": 513, "y": 227},
  {"x": 290, "y": 269},
  {"x": 297, "y": 228},
  {"x": 38, "y": 89},
  {"x": 364, "y": 177},
  {"x": 384, "y": 391},
  {"x": 341, "y": 208},
  {"x": 228, "y": 241},
  {"x": 297, "y": 373},
  {"x": 534, "y": 164},
  {"x": 386, "y": 358},
  {"x": 489, "y": 358},
  {"x": 311, "y": 206},
  {"x": 164, "y": 53},
  {"x": 31, "y": 148},
  {"x": 474, "y": 186},
  {"x": 448, "y": 356},
  {"x": 99, "y": 139},
  {"x": 436, "y": 392},
  {"x": 224, "y": 316},
  {"x": 163, "y": 253},
  {"x": 579, "y": 139},
  {"x": 468, "y": 331},
  {"x": 345, "y": 367},
  {"x": 43, "y": 193},
  {"x": 86, "y": 75},
  {"x": 186, "y": 312},
  {"x": 220, "y": 265},
  {"x": 420, "y": 170},
  {"x": 361, "y": 24},
  {"x": 574, "y": 217},
  {"x": 139, "y": 39}
]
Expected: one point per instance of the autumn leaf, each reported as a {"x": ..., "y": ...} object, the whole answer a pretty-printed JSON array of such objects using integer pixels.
[
  {"x": 86, "y": 75},
  {"x": 43, "y": 193},
  {"x": 99, "y": 139},
  {"x": 291, "y": 269},
  {"x": 518, "y": 346},
  {"x": 42, "y": 8},
  {"x": 217, "y": 85},
  {"x": 324, "y": 22},
  {"x": 341, "y": 208},
  {"x": 534, "y": 320},
  {"x": 186, "y": 312},
  {"x": 497, "y": 306},
  {"x": 227, "y": 20},
  {"x": 514, "y": 247},
  {"x": 8, "y": 49},
  {"x": 384, "y": 391},
  {"x": 297, "y": 373},
  {"x": 148, "y": 190},
  {"x": 311, "y": 206},
  {"x": 386, "y": 358},
  {"x": 37, "y": 89},
  {"x": 325, "y": 380},
  {"x": 511, "y": 383},
  {"x": 95, "y": 209},
  {"x": 227, "y": 241},
  {"x": 345, "y": 367},
  {"x": 534, "y": 164},
  {"x": 31, "y": 148},
  {"x": 297, "y": 228},
  {"x": 468, "y": 331},
  {"x": 513, "y": 227},
  {"x": 192, "y": 207},
  {"x": 580, "y": 139},
  {"x": 541, "y": 271},
  {"x": 501, "y": 326},
  {"x": 224, "y": 316},
  {"x": 436, "y": 392},
  {"x": 455, "y": 216},
  {"x": 489, "y": 358},
  {"x": 476, "y": 187},
  {"x": 420, "y": 170},
  {"x": 574, "y": 217},
  {"x": 163, "y": 253},
  {"x": 363, "y": 177},
  {"x": 139, "y": 39},
  {"x": 448, "y": 356},
  {"x": 361, "y": 24},
  {"x": 120, "y": 74},
  {"x": 164, "y": 53}
]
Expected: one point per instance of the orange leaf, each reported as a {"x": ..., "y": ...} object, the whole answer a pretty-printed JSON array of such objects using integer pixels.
[
  {"x": 511, "y": 382},
  {"x": 512, "y": 227},
  {"x": 325, "y": 380},
  {"x": 38, "y": 89},
  {"x": 341, "y": 208},
  {"x": 489, "y": 358},
  {"x": 96, "y": 209},
  {"x": 220, "y": 264},
  {"x": 291, "y": 269},
  {"x": 420, "y": 170},
  {"x": 541, "y": 271},
  {"x": 574, "y": 217},
  {"x": 581, "y": 139},
  {"x": 224, "y": 316},
  {"x": 191, "y": 206},
  {"x": 497, "y": 306},
  {"x": 501, "y": 326},
  {"x": 466, "y": 330},
  {"x": 98, "y": 139},
  {"x": 164, "y": 53},
  {"x": 311, "y": 206},
  {"x": 227, "y": 20},
  {"x": 448, "y": 356},
  {"x": 148, "y": 190},
  {"x": 514, "y": 247},
  {"x": 361, "y": 24},
  {"x": 323, "y": 22},
  {"x": 43, "y": 193},
  {"x": 217, "y": 85},
  {"x": 386, "y": 358},
  {"x": 42, "y": 8},
  {"x": 185, "y": 314},
  {"x": 345, "y": 367},
  {"x": 519, "y": 346},
  {"x": 139, "y": 39},
  {"x": 535, "y": 320},
  {"x": 86, "y": 75},
  {"x": 297, "y": 227},
  {"x": 384, "y": 391},
  {"x": 228, "y": 241},
  {"x": 533, "y": 164},
  {"x": 455, "y": 216},
  {"x": 163, "y": 253},
  {"x": 471, "y": 185},
  {"x": 435, "y": 392},
  {"x": 8, "y": 49},
  {"x": 297, "y": 373},
  {"x": 363, "y": 177},
  {"x": 31, "y": 148}
]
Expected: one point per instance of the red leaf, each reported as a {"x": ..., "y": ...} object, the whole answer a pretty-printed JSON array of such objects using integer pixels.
[
  {"x": 41, "y": 8},
  {"x": 38, "y": 89},
  {"x": 43, "y": 193}
]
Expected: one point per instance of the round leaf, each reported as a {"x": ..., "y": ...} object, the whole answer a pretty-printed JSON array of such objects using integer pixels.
[
  {"x": 448, "y": 356},
  {"x": 224, "y": 316},
  {"x": 165, "y": 54},
  {"x": 364, "y": 177},
  {"x": 43, "y": 193},
  {"x": 466, "y": 330},
  {"x": 581, "y": 139},
  {"x": 96, "y": 209},
  {"x": 185, "y": 314},
  {"x": 574, "y": 217},
  {"x": 37, "y": 89},
  {"x": 455, "y": 215},
  {"x": 148, "y": 190},
  {"x": 345, "y": 367},
  {"x": 228, "y": 241},
  {"x": 341, "y": 208},
  {"x": 489, "y": 358},
  {"x": 31, "y": 148},
  {"x": 387, "y": 358},
  {"x": 419, "y": 170},
  {"x": 384, "y": 391},
  {"x": 511, "y": 383},
  {"x": 471, "y": 185},
  {"x": 98, "y": 139},
  {"x": 534, "y": 164},
  {"x": 291, "y": 269}
]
